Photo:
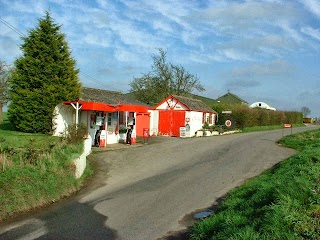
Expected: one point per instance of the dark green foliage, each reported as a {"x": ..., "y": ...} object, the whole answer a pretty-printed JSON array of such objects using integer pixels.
[
  {"x": 282, "y": 203},
  {"x": 164, "y": 80},
  {"x": 44, "y": 76}
]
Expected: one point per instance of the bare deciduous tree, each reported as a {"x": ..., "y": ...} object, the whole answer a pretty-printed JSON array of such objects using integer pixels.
[{"x": 165, "y": 79}]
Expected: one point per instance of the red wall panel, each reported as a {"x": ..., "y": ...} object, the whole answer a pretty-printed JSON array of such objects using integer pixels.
[
  {"x": 170, "y": 122},
  {"x": 142, "y": 121}
]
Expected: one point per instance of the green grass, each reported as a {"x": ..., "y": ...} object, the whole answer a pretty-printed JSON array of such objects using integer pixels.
[
  {"x": 14, "y": 139},
  {"x": 267, "y": 128},
  {"x": 282, "y": 203},
  {"x": 35, "y": 170}
]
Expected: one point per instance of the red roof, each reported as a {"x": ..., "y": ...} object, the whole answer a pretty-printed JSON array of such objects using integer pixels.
[{"x": 190, "y": 103}]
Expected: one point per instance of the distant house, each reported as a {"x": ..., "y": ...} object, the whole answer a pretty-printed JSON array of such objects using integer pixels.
[
  {"x": 105, "y": 110},
  {"x": 261, "y": 105},
  {"x": 230, "y": 98},
  {"x": 177, "y": 111}
]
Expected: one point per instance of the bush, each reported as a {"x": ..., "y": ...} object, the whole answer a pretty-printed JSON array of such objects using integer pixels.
[
  {"x": 75, "y": 133},
  {"x": 206, "y": 126}
]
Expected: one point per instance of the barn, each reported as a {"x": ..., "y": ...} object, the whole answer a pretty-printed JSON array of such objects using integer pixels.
[{"x": 178, "y": 111}]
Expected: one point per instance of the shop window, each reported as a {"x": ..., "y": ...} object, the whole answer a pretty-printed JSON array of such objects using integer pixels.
[
  {"x": 109, "y": 119},
  {"x": 121, "y": 118}
]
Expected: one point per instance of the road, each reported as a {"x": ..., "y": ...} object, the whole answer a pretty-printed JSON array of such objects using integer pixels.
[{"x": 150, "y": 192}]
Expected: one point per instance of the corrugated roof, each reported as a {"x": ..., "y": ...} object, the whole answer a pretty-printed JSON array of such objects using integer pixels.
[
  {"x": 108, "y": 97},
  {"x": 194, "y": 104}
]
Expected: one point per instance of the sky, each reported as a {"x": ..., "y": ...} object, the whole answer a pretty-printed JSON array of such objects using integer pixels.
[{"x": 260, "y": 50}]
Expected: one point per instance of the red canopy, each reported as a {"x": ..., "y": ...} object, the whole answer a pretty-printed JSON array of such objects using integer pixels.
[
  {"x": 97, "y": 106},
  {"x": 131, "y": 108}
]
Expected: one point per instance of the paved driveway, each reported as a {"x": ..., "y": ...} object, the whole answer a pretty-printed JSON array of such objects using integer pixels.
[{"x": 149, "y": 192}]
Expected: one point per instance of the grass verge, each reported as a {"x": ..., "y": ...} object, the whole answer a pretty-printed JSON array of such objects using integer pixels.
[
  {"x": 267, "y": 128},
  {"x": 35, "y": 170},
  {"x": 281, "y": 203}
]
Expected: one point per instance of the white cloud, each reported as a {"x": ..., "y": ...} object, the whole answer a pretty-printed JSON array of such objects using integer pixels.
[
  {"x": 28, "y": 6},
  {"x": 9, "y": 49},
  {"x": 293, "y": 33},
  {"x": 162, "y": 25},
  {"x": 234, "y": 54},
  {"x": 123, "y": 55},
  {"x": 236, "y": 84},
  {"x": 96, "y": 40},
  {"x": 313, "y": 6},
  {"x": 237, "y": 17},
  {"x": 315, "y": 33},
  {"x": 274, "y": 68}
]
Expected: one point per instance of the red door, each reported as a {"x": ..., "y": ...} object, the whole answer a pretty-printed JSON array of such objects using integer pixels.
[
  {"x": 170, "y": 122},
  {"x": 142, "y": 121},
  {"x": 178, "y": 120}
]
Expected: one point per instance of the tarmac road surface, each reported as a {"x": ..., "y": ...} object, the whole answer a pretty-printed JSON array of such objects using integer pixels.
[{"x": 149, "y": 192}]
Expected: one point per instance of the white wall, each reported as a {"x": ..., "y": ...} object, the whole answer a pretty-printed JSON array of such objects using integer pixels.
[
  {"x": 171, "y": 103},
  {"x": 195, "y": 121},
  {"x": 154, "y": 122},
  {"x": 80, "y": 162},
  {"x": 64, "y": 116}
]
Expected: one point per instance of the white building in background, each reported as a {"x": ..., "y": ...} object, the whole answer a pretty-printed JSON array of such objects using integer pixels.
[{"x": 261, "y": 105}]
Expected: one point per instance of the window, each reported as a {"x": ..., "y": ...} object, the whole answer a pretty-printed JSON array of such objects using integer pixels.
[
  {"x": 121, "y": 118},
  {"x": 210, "y": 118},
  {"x": 109, "y": 119}
]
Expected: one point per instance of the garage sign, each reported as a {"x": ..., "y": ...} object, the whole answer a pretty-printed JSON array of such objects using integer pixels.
[{"x": 228, "y": 123}]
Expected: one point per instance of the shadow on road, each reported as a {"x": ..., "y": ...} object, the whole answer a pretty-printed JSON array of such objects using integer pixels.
[{"x": 74, "y": 221}]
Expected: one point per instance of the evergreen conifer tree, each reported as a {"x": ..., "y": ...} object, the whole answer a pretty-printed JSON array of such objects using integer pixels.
[{"x": 44, "y": 76}]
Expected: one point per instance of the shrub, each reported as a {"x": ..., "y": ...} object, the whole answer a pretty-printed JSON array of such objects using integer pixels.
[
  {"x": 206, "y": 126},
  {"x": 75, "y": 133}
]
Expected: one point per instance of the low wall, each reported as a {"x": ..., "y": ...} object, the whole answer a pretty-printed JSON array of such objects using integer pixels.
[
  {"x": 81, "y": 161},
  {"x": 202, "y": 133}
]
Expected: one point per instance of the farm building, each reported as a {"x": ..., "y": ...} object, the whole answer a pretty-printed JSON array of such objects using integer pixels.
[
  {"x": 108, "y": 113},
  {"x": 261, "y": 105},
  {"x": 177, "y": 111}
]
